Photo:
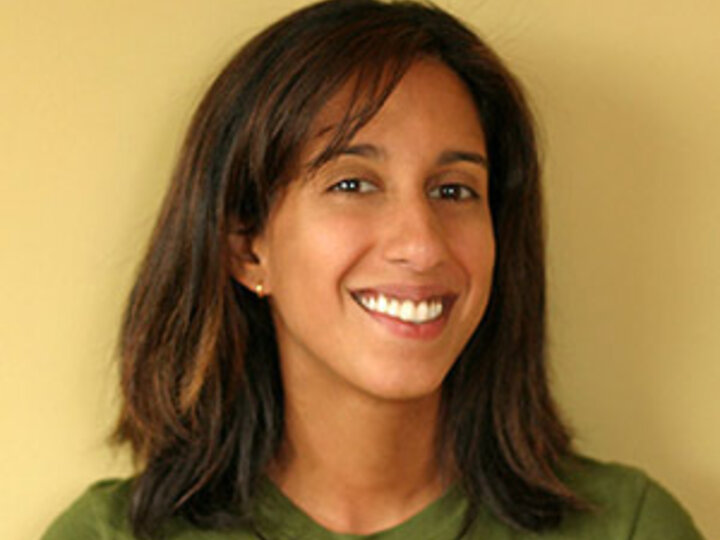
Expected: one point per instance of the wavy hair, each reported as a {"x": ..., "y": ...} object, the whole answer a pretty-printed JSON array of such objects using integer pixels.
[{"x": 202, "y": 398}]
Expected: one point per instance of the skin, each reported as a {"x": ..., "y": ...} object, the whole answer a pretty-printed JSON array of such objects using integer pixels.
[{"x": 404, "y": 211}]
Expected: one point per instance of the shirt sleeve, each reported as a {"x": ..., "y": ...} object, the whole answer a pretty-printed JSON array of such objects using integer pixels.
[
  {"x": 660, "y": 516},
  {"x": 98, "y": 514},
  {"x": 76, "y": 523}
]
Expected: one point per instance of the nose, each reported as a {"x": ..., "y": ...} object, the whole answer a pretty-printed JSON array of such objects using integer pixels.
[{"x": 414, "y": 236}]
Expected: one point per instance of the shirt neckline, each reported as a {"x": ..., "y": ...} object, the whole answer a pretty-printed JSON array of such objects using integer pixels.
[{"x": 278, "y": 518}]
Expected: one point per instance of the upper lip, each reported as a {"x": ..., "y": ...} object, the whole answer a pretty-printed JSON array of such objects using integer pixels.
[{"x": 415, "y": 293}]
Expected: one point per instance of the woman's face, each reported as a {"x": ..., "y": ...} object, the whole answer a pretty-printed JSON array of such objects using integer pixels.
[{"x": 378, "y": 265}]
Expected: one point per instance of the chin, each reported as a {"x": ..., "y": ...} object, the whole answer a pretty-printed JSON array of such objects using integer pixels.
[{"x": 393, "y": 384}]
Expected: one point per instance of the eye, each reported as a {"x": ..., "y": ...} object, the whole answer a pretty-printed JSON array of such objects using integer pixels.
[
  {"x": 353, "y": 185},
  {"x": 454, "y": 192}
]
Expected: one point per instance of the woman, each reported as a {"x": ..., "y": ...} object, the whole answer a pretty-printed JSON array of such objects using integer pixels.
[{"x": 338, "y": 329}]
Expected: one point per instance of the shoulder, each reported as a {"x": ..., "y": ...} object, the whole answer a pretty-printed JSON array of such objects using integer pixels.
[
  {"x": 98, "y": 513},
  {"x": 625, "y": 503},
  {"x": 101, "y": 514}
]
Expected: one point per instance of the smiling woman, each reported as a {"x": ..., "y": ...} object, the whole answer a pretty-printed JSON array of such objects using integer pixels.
[
  {"x": 378, "y": 263},
  {"x": 338, "y": 328}
]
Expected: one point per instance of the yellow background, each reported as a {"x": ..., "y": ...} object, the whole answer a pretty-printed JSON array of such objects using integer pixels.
[{"x": 94, "y": 97}]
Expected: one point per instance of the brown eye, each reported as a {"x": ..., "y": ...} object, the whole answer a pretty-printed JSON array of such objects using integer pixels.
[
  {"x": 453, "y": 192},
  {"x": 353, "y": 185}
]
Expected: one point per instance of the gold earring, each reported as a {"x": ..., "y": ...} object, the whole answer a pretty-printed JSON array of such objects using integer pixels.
[{"x": 259, "y": 290}]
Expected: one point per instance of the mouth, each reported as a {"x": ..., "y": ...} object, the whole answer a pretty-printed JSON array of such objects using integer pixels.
[{"x": 414, "y": 311}]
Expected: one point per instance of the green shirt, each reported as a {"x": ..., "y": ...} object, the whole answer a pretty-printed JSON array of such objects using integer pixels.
[{"x": 628, "y": 505}]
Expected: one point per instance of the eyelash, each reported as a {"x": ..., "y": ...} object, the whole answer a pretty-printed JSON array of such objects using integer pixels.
[
  {"x": 453, "y": 192},
  {"x": 352, "y": 185}
]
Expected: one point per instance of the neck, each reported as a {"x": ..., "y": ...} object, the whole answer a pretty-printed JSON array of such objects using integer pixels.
[{"x": 357, "y": 464}]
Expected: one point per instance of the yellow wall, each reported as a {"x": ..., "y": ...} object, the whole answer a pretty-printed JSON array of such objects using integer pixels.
[{"x": 94, "y": 97}]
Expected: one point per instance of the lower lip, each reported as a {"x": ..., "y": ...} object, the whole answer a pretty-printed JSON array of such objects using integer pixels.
[{"x": 426, "y": 331}]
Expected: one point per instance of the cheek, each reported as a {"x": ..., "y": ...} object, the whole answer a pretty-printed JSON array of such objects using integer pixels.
[
  {"x": 473, "y": 244},
  {"x": 311, "y": 252}
]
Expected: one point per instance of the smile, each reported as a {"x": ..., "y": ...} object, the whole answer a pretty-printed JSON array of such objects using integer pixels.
[{"x": 406, "y": 310}]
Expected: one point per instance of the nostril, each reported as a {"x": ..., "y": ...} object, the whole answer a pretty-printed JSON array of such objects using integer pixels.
[{"x": 415, "y": 239}]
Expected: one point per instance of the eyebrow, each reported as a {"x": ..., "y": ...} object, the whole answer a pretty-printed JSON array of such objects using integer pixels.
[
  {"x": 453, "y": 156},
  {"x": 363, "y": 150},
  {"x": 448, "y": 157}
]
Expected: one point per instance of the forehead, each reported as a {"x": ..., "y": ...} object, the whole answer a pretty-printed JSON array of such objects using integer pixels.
[{"x": 429, "y": 91}]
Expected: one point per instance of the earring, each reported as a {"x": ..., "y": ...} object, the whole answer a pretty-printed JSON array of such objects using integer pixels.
[{"x": 259, "y": 290}]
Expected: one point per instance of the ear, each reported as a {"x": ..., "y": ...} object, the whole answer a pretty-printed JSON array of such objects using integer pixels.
[{"x": 248, "y": 262}]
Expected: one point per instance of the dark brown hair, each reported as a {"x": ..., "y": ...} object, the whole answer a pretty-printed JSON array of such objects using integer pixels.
[{"x": 203, "y": 402}]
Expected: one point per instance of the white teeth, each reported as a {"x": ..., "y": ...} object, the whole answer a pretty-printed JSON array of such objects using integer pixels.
[
  {"x": 405, "y": 310},
  {"x": 422, "y": 311},
  {"x": 393, "y": 308}
]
